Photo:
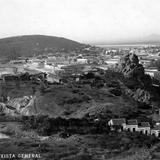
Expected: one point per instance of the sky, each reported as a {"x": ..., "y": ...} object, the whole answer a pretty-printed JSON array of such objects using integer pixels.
[{"x": 89, "y": 21}]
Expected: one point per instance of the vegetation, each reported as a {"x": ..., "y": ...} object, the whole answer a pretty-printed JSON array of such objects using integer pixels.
[
  {"x": 47, "y": 126},
  {"x": 75, "y": 115},
  {"x": 35, "y": 44}
]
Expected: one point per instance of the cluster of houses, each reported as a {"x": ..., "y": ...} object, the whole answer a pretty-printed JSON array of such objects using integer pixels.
[{"x": 133, "y": 126}]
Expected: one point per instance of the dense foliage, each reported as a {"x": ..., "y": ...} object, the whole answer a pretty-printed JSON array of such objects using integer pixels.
[{"x": 47, "y": 126}]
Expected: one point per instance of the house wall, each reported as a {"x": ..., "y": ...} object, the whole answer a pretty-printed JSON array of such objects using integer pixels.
[
  {"x": 131, "y": 128},
  {"x": 124, "y": 126},
  {"x": 116, "y": 127},
  {"x": 110, "y": 123},
  {"x": 82, "y": 61},
  {"x": 144, "y": 130},
  {"x": 155, "y": 132}
]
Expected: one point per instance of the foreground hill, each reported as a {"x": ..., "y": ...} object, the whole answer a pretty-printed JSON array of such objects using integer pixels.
[
  {"x": 107, "y": 94},
  {"x": 68, "y": 102},
  {"x": 35, "y": 44}
]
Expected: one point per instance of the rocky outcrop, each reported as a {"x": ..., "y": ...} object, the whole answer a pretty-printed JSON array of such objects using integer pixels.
[
  {"x": 15, "y": 106},
  {"x": 130, "y": 67},
  {"x": 18, "y": 103},
  {"x": 134, "y": 71},
  {"x": 7, "y": 109},
  {"x": 30, "y": 108},
  {"x": 139, "y": 95},
  {"x": 142, "y": 96},
  {"x": 32, "y": 105}
]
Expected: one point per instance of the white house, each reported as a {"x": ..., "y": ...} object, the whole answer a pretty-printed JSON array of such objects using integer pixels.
[
  {"x": 82, "y": 60},
  {"x": 131, "y": 125},
  {"x": 144, "y": 127},
  {"x": 156, "y": 131},
  {"x": 118, "y": 123},
  {"x": 151, "y": 72},
  {"x": 111, "y": 61}
]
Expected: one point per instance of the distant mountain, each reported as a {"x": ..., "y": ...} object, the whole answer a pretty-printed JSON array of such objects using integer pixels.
[
  {"x": 151, "y": 39},
  {"x": 34, "y": 44}
]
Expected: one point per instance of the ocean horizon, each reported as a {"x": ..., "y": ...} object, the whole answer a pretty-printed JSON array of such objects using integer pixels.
[{"x": 124, "y": 45}]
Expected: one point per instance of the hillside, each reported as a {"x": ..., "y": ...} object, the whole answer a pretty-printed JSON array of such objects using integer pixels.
[
  {"x": 69, "y": 101},
  {"x": 94, "y": 94},
  {"x": 35, "y": 44},
  {"x": 66, "y": 101},
  {"x": 69, "y": 121}
]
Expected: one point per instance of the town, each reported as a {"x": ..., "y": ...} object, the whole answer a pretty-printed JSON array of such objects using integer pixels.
[
  {"x": 55, "y": 96},
  {"x": 59, "y": 96},
  {"x": 80, "y": 80},
  {"x": 54, "y": 62},
  {"x": 55, "y": 67}
]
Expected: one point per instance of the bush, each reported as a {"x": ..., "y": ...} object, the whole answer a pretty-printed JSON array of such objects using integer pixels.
[{"x": 47, "y": 126}]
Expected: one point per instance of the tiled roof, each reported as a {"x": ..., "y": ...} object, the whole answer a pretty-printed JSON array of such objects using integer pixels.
[
  {"x": 144, "y": 124},
  {"x": 118, "y": 121},
  {"x": 132, "y": 122}
]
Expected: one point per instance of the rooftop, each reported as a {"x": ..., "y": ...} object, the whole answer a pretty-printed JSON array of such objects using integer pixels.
[
  {"x": 132, "y": 122},
  {"x": 118, "y": 121},
  {"x": 144, "y": 124}
]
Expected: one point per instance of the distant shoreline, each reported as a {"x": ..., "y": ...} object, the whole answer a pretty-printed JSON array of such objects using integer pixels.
[{"x": 125, "y": 45}]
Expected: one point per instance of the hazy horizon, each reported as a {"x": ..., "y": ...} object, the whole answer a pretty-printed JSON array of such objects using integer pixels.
[{"x": 85, "y": 21}]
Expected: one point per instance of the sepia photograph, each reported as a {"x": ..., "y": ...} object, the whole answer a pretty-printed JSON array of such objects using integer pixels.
[{"x": 79, "y": 79}]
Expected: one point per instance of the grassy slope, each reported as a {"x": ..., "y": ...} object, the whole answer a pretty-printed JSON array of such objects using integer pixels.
[
  {"x": 74, "y": 102},
  {"x": 27, "y": 45},
  {"x": 90, "y": 147},
  {"x": 87, "y": 147}
]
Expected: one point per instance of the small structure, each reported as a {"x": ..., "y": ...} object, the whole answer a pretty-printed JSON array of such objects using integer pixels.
[
  {"x": 18, "y": 61},
  {"x": 144, "y": 128},
  {"x": 131, "y": 125},
  {"x": 156, "y": 131},
  {"x": 120, "y": 124},
  {"x": 152, "y": 72},
  {"x": 82, "y": 60},
  {"x": 117, "y": 124}
]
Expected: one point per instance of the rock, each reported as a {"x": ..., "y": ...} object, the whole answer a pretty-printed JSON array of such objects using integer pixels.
[
  {"x": 18, "y": 103},
  {"x": 129, "y": 66},
  {"x": 142, "y": 96},
  {"x": 134, "y": 71},
  {"x": 30, "y": 108},
  {"x": 7, "y": 109}
]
